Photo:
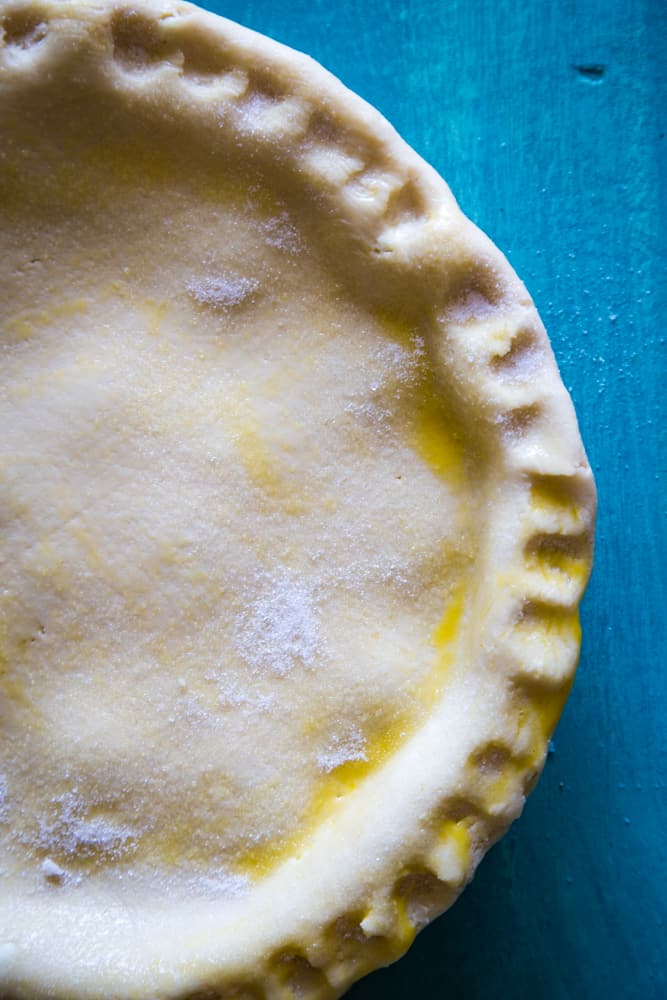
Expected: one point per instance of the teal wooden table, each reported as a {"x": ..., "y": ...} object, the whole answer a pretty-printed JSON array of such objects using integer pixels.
[{"x": 548, "y": 121}]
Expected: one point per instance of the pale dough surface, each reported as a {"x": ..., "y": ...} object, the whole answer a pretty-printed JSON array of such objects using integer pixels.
[{"x": 226, "y": 555}]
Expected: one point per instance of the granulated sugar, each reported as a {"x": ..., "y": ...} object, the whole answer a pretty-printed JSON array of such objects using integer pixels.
[
  {"x": 218, "y": 884},
  {"x": 279, "y": 232},
  {"x": 223, "y": 290},
  {"x": 343, "y": 748},
  {"x": 469, "y": 308},
  {"x": 233, "y": 694},
  {"x": 397, "y": 362},
  {"x": 392, "y": 369},
  {"x": 51, "y": 870},
  {"x": 77, "y": 831},
  {"x": 4, "y": 800},
  {"x": 280, "y": 628}
]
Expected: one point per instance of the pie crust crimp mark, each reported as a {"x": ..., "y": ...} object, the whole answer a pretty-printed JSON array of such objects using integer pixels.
[{"x": 482, "y": 329}]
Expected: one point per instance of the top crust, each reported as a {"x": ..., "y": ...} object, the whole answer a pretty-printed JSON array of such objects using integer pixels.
[{"x": 217, "y": 105}]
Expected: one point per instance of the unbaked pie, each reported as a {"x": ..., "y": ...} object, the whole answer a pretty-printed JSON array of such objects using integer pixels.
[{"x": 295, "y": 519}]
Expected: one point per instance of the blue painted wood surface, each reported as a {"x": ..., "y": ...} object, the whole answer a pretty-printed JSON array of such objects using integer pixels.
[{"x": 548, "y": 122}]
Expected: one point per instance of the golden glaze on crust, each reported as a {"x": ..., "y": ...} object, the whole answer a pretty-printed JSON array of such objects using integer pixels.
[{"x": 142, "y": 141}]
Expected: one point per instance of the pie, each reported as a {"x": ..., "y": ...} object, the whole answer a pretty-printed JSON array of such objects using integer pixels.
[{"x": 295, "y": 519}]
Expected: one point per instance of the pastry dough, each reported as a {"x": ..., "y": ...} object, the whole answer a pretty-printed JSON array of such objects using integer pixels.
[{"x": 296, "y": 519}]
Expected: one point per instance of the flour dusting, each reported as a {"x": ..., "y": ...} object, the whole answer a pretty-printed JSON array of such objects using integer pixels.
[{"x": 280, "y": 628}]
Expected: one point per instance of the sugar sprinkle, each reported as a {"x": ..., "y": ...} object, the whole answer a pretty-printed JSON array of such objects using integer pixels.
[
  {"x": 4, "y": 802},
  {"x": 75, "y": 833},
  {"x": 279, "y": 630},
  {"x": 222, "y": 291},
  {"x": 342, "y": 749}
]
